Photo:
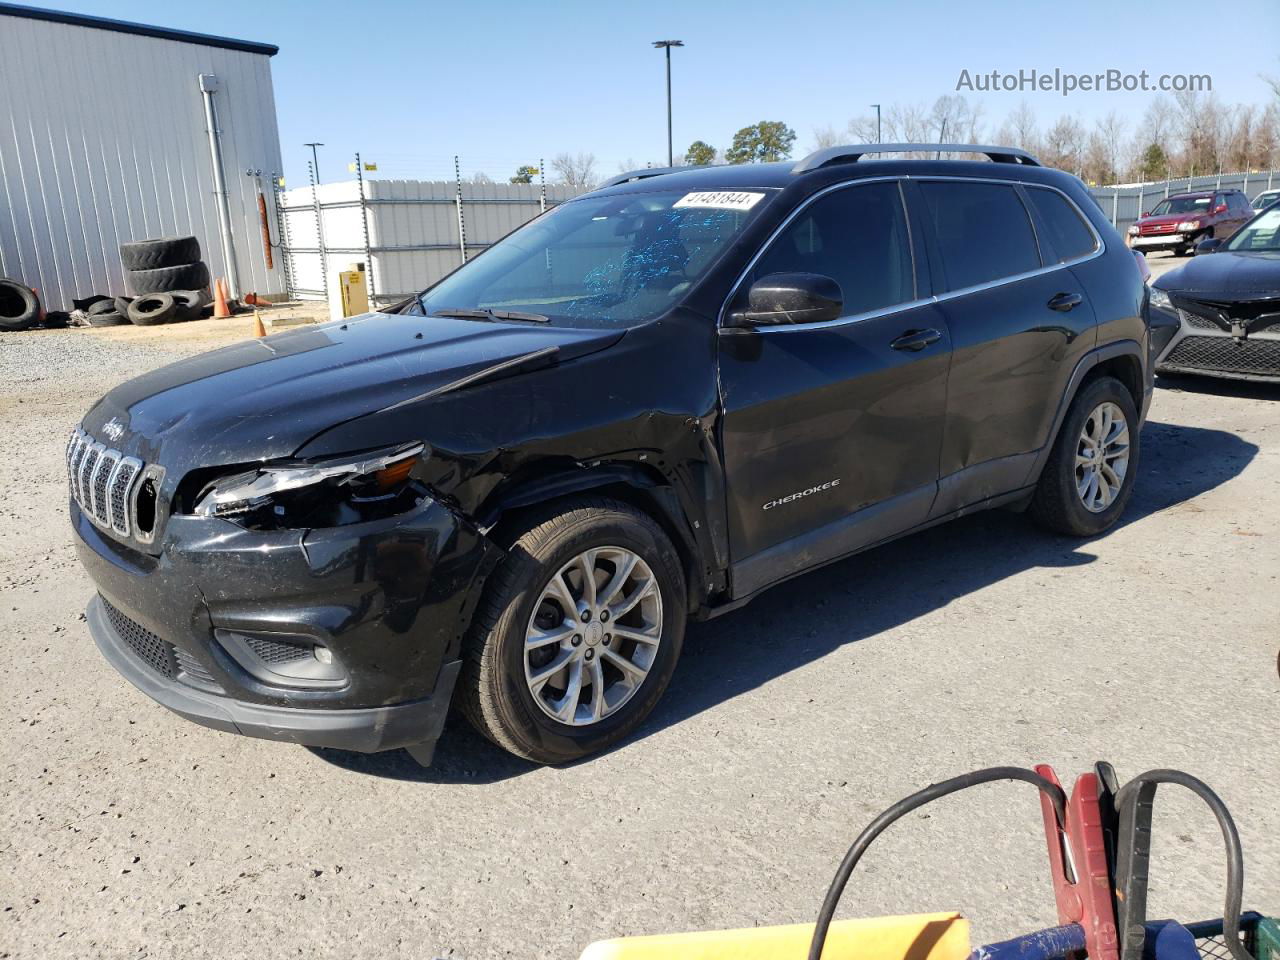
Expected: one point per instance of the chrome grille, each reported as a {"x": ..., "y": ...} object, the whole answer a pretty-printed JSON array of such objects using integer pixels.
[{"x": 102, "y": 482}]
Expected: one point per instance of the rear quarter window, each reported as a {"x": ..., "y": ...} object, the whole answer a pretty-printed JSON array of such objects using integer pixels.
[
  {"x": 1068, "y": 236},
  {"x": 982, "y": 230}
]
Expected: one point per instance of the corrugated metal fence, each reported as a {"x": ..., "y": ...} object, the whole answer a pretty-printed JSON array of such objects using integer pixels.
[
  {"x": 409, "y": 233},
  {"x": 1123, "y": 204}
]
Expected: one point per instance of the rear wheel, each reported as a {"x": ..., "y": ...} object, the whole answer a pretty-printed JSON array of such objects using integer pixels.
[
  {"x": 578, "y": 634},
  {"x": 1089, "y": 476}
]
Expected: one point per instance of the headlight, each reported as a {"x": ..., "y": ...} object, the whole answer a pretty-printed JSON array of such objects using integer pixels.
[
  {"x": 1161, "y": 299},
  {"x": 366, "y": 476},
  {"x": 1133, "y": 230},
  {"x": 1189, "y": 225}
]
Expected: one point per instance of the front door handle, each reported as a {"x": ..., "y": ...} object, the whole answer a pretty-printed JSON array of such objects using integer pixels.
[
  {"x": 916, "y": 340},
  {"x": 1065, "y": 301}
]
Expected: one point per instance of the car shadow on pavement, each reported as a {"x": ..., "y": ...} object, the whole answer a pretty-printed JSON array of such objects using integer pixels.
[
  {"x": 865, "y": 595},
  {"x": 1219, "y": 387}
]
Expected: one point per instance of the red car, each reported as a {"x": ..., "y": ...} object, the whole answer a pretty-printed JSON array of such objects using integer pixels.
[{"x": 1179, "y": 222}]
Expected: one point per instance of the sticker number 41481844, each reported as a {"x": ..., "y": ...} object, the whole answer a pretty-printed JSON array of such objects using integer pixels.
[{"x": 720, "y": 200}]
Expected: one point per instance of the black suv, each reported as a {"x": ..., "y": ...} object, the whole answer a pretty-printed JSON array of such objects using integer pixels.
[{"x": 650, "y": 403}]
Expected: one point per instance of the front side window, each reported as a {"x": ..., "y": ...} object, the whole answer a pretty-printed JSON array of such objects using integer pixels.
[
  {"x": 982, "y": 229},
  {"x": 1262, "y": 233},
  {"x": 1068, "y": 234},
  {"x": 858, "y": 237},
  {"x": 601, "y": 261}
]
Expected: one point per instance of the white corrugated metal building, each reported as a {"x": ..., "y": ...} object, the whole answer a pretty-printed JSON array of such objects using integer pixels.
[{"x": 103, "y": 140}]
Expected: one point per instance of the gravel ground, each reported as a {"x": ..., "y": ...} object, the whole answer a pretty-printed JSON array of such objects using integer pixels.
[{"x": 127, "y": 832}]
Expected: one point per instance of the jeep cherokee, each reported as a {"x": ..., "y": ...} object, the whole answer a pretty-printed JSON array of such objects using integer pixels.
[{"x": 650, "y": 403}]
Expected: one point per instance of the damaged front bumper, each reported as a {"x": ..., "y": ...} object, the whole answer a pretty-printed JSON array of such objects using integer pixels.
[{"x": 348, "y": 637}]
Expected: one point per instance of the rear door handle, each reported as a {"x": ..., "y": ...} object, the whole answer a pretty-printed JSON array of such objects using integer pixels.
[
  {"x": 1065, "y": 301},
  {"x": 916, "y": 340}
]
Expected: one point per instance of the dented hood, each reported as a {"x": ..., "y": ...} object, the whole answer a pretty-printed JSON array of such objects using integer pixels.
[{"x": 264, "y": 399}]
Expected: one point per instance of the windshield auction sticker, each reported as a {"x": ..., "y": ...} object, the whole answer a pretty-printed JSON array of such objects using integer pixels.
[{"x": 720, "y": 200}]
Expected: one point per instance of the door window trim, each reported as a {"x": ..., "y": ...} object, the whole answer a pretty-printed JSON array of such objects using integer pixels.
[{"x": 1099, "y": 249}]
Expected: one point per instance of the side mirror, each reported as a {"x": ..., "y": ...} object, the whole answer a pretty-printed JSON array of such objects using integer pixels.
[
  {"x": 1220, "y": 208},
  {"x": 1146, "y": 213},
  {"x": 787, "y": 298},
  {"x": 1211, "y": 245}
]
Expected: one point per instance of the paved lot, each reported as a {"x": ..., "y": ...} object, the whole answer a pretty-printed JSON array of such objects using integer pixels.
[{"x": 126, "y": 832}]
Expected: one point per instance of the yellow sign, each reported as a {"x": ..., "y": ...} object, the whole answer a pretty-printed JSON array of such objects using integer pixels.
[{"x": 351, "y": 167}]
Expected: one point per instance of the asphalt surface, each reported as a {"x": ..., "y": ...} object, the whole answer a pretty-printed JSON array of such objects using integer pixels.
[{"x": 127, "y": 832}]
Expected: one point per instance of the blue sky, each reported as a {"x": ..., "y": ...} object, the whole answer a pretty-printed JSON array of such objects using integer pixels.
[{"x": 502, "y": 83}]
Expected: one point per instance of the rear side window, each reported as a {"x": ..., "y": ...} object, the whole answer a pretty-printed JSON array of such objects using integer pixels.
[
  {"x": 983, "y": 231},
  {"x": 1068, "y": 235},
  {"x": 858, "y": 237}
]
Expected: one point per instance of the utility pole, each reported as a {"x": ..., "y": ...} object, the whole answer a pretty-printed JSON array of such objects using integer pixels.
[
  {"x": 667, "y": 45},
  {"x": 315, "y": 159},
  {"x": 942, "y": 138},
  {"x": 879, "y": 139}
]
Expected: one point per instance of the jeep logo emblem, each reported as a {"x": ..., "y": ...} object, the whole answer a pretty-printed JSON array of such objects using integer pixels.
[{"x": 113, "y": 428}]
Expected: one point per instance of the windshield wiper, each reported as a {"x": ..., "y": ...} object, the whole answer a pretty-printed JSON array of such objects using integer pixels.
[{"x": 469, "y": 313}]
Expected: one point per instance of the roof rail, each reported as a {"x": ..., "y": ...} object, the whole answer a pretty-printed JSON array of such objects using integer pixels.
[
  {"x": 850, "y": 154},
  {"x": 639, "y": 175}
]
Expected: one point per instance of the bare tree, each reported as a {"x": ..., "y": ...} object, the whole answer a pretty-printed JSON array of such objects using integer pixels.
[
  {"x": 863, "y": 129},
  {"x": 577, "y": 171},
  {"x": 1025, "y": 129},
  {"x": 1064, "y": 145},
  {"x": 954, "y": 120},
  {"x": 1266, "y": 137},
  {"x": 1096, "y": 161},
  {"x": 1110, "y": 133},
  {"x": 824, "y": 137}
]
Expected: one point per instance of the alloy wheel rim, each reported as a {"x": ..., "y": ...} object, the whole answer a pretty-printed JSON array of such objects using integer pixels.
[
  {"x": 594, "y": 635},
  {"x": 1102, "y": 457}
]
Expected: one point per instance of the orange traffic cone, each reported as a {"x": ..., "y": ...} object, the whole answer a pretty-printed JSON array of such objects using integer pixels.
[
  {"x": 259, "y": 330},
  {"x": 220, "y": 299}
]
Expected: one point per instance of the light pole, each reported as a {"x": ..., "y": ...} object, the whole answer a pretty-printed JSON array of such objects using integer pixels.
[
  {"x": 315, "y": 158},
  {"x": 879, "y": 139},
  {"x": 667, "y": 45}
]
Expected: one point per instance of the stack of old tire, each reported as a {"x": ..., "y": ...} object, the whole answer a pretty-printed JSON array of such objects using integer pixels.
[{"x": 166, "y": 280}]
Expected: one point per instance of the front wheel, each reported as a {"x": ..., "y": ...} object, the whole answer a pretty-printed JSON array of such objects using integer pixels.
[
  {"x": 578, "y": 634},
  {"x": 1089, "y": 476}
]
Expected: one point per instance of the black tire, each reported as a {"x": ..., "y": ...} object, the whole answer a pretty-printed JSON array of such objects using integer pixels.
[
  {"x": 122, "y": 304},
  {"x": 164, "y": 252},
  {"x": 191, "y": 303},
  {"x": 109, "y": 319},
  {"x": 153, "y": 309},
  {"x": 187, "y": 276},
  {"x": 19, "y": 306},
  {"x": 84, "y": 303},
  {"x": 1056, "y": 504},
  {"x": 105, "y": 305},
  {"x": 492, "y": 691}
]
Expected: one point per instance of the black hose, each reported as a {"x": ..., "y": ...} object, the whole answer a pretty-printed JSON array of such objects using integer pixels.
[
  {"x": 1235, "y": 856},
  {"x": 904, "y": 806}
]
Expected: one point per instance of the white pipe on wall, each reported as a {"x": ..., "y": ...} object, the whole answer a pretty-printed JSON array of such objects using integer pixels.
[{"x": 209, "y": 85}]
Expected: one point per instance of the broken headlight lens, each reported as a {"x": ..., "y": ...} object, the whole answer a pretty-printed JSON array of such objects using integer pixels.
[{"x": 366, "y": 476}]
